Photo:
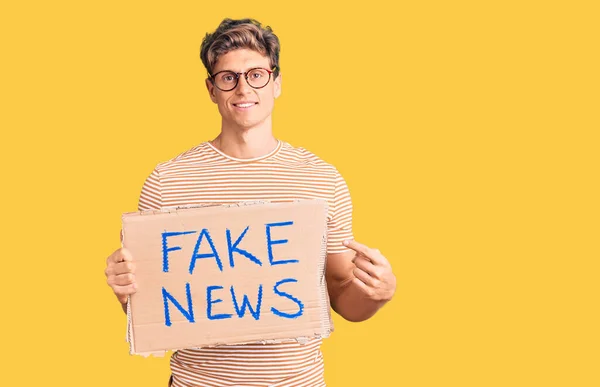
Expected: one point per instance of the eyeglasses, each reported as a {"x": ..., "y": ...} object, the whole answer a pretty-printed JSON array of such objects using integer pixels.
[{"x": 227, "y": 80}]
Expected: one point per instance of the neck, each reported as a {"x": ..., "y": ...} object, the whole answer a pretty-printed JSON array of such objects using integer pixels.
[{"x": 244, "y": 143}]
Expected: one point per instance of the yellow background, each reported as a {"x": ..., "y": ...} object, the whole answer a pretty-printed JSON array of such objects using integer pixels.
[{"x": 467, "y": 132}]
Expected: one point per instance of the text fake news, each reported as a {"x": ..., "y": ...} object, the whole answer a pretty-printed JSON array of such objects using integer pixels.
[{"x": 214, "y": 292}]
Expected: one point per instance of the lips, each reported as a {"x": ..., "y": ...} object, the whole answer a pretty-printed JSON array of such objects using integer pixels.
[{"x": 245, "y": 105}]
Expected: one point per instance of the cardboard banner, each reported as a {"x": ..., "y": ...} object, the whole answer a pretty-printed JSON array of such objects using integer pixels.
[{"x": 227, "y": 275}]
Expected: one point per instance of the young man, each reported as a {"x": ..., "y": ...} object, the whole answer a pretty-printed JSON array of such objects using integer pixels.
[{"x": 245, "y": 162}]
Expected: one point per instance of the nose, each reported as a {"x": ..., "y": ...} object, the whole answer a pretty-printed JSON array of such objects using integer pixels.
[{"x": 243, "y": 86}]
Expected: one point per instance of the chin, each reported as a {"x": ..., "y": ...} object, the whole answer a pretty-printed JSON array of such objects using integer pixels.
[{"x": 248, "y": 124}]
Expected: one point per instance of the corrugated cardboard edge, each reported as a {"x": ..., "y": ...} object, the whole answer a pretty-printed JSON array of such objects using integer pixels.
[
  {"x": 128, "y": 335},
  {"x": 326, "y": 320},
  {"x": 324, "y": 302}
]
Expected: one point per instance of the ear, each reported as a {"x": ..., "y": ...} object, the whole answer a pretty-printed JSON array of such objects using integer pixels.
[
  {"x": 277, "y": 85},
  {"x": 211, "y": 90}
]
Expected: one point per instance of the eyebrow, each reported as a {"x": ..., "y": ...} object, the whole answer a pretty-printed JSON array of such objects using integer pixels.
[{"x": 249, "y": 68}]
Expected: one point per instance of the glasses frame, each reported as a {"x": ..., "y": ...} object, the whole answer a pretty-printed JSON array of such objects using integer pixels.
[{"x": 237, "y": 77}]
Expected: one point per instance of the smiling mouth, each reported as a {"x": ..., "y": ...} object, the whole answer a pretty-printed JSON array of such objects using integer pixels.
[{"x": 245, "y": 104}]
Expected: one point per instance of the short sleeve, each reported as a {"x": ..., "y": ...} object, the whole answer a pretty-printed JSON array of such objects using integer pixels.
[
  {"x": 151, "y": 197},
  {"x": 339, "y": 226}
]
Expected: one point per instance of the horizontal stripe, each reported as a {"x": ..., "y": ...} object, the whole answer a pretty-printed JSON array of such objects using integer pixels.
[{"x": 204, "y": 175}]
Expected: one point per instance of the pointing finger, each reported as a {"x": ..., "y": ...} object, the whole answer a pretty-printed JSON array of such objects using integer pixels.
[
  {"x": 373, "y": 254},
  {"x": 358, "y": 247}
]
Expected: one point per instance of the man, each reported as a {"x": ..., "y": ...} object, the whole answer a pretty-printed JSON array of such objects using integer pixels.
[{"x": 245, "y": 162}]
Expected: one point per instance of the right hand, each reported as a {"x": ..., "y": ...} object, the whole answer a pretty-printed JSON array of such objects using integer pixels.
[{"x": 120, "y": 274}]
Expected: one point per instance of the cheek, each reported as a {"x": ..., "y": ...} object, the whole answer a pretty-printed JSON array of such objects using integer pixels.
[
  {"x": 222, "y": 105},
  {"x": 222, "y": 101},
  {"x": 268, "y": 98},
  {"x": 267, "y": 104}
]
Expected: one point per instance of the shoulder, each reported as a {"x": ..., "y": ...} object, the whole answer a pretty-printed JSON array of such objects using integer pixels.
[
  {"x": 198, "y": 155},
  {"x": 305, "y": 157}
]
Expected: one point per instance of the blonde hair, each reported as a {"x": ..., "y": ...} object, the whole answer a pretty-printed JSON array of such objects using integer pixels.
[{"x": 235, "y": 34}]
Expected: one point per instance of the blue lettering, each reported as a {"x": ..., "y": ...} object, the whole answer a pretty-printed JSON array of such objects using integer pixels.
[
  {"x": 200, "y": 256},
  {"x": 286, "y": 295},
  {"x": 277, "y": 242},
  {"x": 245, "y": 302},
  {"x": 210, "y": 301},
  {"x": 188, "y": 314},
  {"x": 165, "y": 249},
  {"x": 233, "y": 248}
]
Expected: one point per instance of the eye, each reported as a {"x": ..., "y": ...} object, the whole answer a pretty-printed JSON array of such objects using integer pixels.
[
  {"x": 257, "y": 74},
  {"x": 227, "y": 77}
]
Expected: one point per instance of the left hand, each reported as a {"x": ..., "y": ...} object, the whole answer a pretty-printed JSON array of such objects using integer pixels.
[{"x": 373, "y": 273}]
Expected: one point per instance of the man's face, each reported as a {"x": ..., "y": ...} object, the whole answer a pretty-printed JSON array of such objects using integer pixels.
[{"x": 244, "y": 107}]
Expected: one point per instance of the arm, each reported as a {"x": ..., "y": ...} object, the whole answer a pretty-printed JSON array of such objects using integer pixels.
[
  {"x": 359, "y": 281},
  {"x": 120, "y": 266}
]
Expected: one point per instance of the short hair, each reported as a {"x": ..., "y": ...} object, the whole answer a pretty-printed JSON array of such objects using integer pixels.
[{"x": 242, "y": 33}]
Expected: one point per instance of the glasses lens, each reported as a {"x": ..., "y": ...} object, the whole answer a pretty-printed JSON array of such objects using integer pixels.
[
  {"x": 258, "y": 77},
  {"x": 226, "y": 80}
]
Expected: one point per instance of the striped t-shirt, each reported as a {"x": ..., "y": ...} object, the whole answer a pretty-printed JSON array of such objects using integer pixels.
[{"x": 205, "y": 175}]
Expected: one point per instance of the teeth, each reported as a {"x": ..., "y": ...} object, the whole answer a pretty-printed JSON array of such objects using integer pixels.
[{"x": 244, "y": 105}]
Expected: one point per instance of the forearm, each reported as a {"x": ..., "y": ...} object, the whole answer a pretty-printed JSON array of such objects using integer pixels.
[
  {"x": 359, "y": 282},
  {"x": 351, "y": 302}
]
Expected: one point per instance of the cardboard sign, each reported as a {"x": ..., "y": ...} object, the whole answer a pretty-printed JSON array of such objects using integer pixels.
[{"x": 227, "y": 275}]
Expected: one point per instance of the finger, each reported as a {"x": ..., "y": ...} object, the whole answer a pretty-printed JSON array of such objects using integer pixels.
[
  {"x": 365, "y": 278},
  {"x": 122, "y": 268},
  {"x": 367, "y": 266},
  {"x": 121, "y": 255},
  {"x": 373, "y": 254},
  {"x": 122, "y": 279},
  {"x": 379, "y": 259},
  {"x": 361, "y": 285},
  {"x": 358, "y": 247},
  {"x": 123, "y": 291}
]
